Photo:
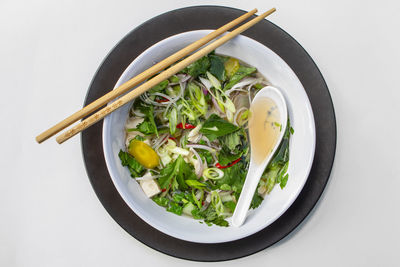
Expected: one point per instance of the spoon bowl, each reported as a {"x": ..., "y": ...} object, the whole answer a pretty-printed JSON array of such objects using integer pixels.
[{"x": 259, "y": 160}]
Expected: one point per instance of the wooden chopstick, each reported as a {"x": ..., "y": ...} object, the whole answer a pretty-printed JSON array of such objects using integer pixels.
[
  {"x": 95, "y": 105},
  {"x": 157, "y": 79}
]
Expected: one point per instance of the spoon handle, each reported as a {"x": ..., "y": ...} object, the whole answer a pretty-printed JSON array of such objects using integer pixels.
[{"x": 249, "y": 187}]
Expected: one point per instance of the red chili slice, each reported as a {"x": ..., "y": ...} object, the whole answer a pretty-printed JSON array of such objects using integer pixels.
[
  {"x": 187, "y": 126},
  {"x": 163, "y": 99},
  {"x": 219, "y": 166},
  {"x": 163, "y": 190},
  {"x": 172, "y": 138}
]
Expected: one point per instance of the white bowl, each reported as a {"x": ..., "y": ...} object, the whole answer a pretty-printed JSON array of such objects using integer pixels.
[{"x": 302, "y": 144}]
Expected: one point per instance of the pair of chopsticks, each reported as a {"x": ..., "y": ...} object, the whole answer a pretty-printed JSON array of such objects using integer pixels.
[{"x": 84, "y": 124}]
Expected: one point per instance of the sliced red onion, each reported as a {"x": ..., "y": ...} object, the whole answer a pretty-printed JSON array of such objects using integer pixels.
[
  {"x": 199, "y": 170},
  {"x": 203, "y": 88},
  {"x": 216, "y": 104}
]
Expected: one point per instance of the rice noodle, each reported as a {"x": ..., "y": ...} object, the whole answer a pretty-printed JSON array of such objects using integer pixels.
[
  {"x": 212, "y": 150},
  {"x": 206, "y": 140},
  {"x": 244, "y": 82},
  {"x": 137, "y": 113},
  {"x": 147, "y": 100},
  {"x": 160, "y": 141},
  {"x": 183, "y": 77}
]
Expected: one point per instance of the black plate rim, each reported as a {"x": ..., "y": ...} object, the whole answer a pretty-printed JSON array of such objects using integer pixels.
[{"x": 178, "y": 254}]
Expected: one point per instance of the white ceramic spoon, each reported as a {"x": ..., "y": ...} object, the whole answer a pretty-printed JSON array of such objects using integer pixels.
[{"x": 257, "y": 167}]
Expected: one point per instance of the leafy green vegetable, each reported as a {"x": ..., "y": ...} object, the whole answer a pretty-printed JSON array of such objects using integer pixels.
[
  {"x": 205, "y": 155},
  {"x": 239, "y": 75},
  {"x": 189, "y": 208},
  {"x": 225, "y": 187},
  {"x": 233, "y": 146},
  {"x": 196, "y": 213},
  {"x": 197, "y": 201},
  {"x": 146, "y": 127},
  {"x": 230, "y": 205},
  {"x": 198, "y": 67},
  {"x": 216, "y": 202},
  {"x": 217, "y": 67},
  {"x": 277, "y": 168},
  {"x": 173, "y": 120},
  {"x": 162, "y": 201},
  {"x": 159, "y": 87},
  {"x": 149, "y": 125},
  {"x": 284, "y": 181},
  {"x": 215, "y": 127},
  {"x": 231, "y": 141},
  {"x": 175, "y": 173},
  {"x": 174, "y": 79},
  {"x": 175, "y": 208},
  {"x": 256, "y": 201},
  {"x": 234, "y": 177},
  {"x": 139, "y": 138},
  {"x": 195, "y": 184},
  {"x": 178, "y": 197},
  {"x": 197, "y": 98},
  {"x": 210, "y": 216},
  {"x": 258, "y": 86},
  {"x": 133, "y": 165}
]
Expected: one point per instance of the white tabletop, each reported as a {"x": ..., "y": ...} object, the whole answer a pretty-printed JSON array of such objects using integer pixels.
[{"x": 50, "y": 215}]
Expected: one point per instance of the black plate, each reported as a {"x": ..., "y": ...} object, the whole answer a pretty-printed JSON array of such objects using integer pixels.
[{"x": 265, "y": 32}]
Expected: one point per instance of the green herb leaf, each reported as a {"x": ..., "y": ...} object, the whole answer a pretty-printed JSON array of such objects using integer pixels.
[
  {"x": 198, "y": 67},
  {"x": 217, "y": 67},
  {"x": 230, "y": 205},
  {"x": 161, "y": 201},
  {"x": 225, "y": 157},
  {"x": 239, "y": 75},
  {"x": 195, "y": 184},
  {"x": 284, "y": 181},
  {"x": 146, "y": 127},
  {"x": 175, "y": 173},
  {"x": 159, "y": 87},
  {"x": 175, "y": 208},
  {"x": 133, "y": 165},
  {"x": 215, "y": 127},
  {"x": 174, "y": 79},
  {"x": 211, "y": 217},
  {"x": 256, "y": 201},
  {"x": 149, "y": 125},
  {"x": 234, "y": 177},
  {"x": 225, "y": 187}
]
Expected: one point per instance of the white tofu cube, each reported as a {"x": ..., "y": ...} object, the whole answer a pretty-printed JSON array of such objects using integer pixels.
[{"x": 150, "y": 187}]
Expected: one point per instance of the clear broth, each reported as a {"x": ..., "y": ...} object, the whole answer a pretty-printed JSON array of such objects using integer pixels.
[{"x": 264, "y": 128}]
